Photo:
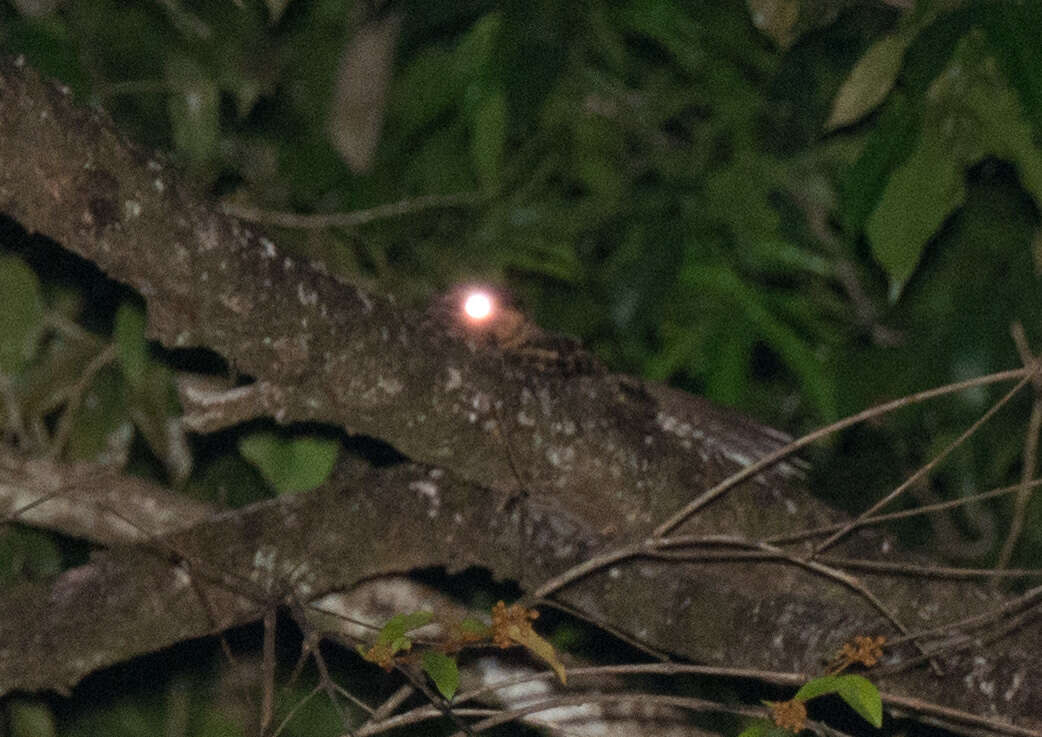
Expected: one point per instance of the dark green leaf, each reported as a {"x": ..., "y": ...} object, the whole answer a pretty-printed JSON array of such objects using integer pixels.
[
  {"x": 998, "y": 123},
  {"x": 21, "y": 319},
  {"x": 194, "y": 108},
  {"x": 474, "y": 626},
  {"x": 131, "y": 346},
  {"x": 426, "y": 90},
  {"x": 230, "y": 480},
  {"x": 920, "y": 195},
  {"x": 101, "y": 426},
  {"x": 930, "y": 53},
  {"x": 672, "y": 27},
  {"x": 740, "y": 195},
  {"x": 764, "y": 728},
  {"x": 723, "y": 284},
  {"x": 30, "y": 718},
  {"x": 489, "y": 138},
  {"x": 154, "y": 409},
  {"x": 890, "y": 142},
  {"x": 476, "y": 49},
  {"x": 1014, "y": 31},
  {"x": 215, "y": 723},
  {"x": 25, "y": 552}
]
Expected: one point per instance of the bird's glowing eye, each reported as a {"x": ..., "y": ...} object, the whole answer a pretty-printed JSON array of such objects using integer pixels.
[{"x": 477, "y": 307}]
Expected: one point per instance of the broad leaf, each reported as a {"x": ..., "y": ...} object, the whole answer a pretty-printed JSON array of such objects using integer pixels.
[
  {"x": 1013, "y": 31},
  {"x": 891, "y": 141},
  {"x": 489, "y": 138},
  {"x": 863, "y": 697},
  {"x": 920, "y": 195},
  {"x": 290, "y": 464},
  {"x": 131, "y": 346},
  {"x": 869, "y": 83},
  {"x": 399, "y": 624},
  {"x": 443, "y": 671},
  {"x": 21, "y": 319},
  {"x": 30, "y": 718},
  {"x": 194, "y": 108},
  {"x": 857, "y": 691},
  {"x": 756, "y": 729},
  {"x": 816, "y": 687}
]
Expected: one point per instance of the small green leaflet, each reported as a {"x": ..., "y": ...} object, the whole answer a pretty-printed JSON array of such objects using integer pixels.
[
  {"x": 764, "y": 728},
  {"x": 21, "y": 320},
  {"x": 921, "y": 194},
  {"x": 131, "y": 346},
  {"x": 489, "y": 126},
  {"x": 290, "y": 464},
  {"x": 30, "y": 718},
  {"x": 394, "y": 631},
  {"x": 194, "y": 108},
  {"x": 474, "y": 626},
  {"x": 858, "y": 692},
  {"x": 862, "y": 696},
  {"x": 869, "y": 83},
  {"x": 443, "y": 671}
]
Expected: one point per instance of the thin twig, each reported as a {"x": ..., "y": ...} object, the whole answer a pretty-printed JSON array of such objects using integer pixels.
[
  {"x": 268, "y": 671},
  {"x": 793, "y": 537},
  {"x": 603, "y": 626},
  {"x": 851, "y": 582},
  {"x": 351, "y": 219},
  {"x": 312, "y": 644},
  {"x": 327, "y": 684},
  {"x": 74, "y": 395},
  {"x": 683, "y": 702},
  {"x": 415, "y": 716},
  {"x": 1028, "y": 599},
  {"x": 443, "y": 705},
  {"x": 872, "y": 566},
  {"x": 911, "y": 569},
  {"x": 1028, "y": 358},
  {"x": 1020, "y": 505},
  {"x": 387, "y": 708},
  {"x": 293, "y": 711},
  {"x": 953, "y": 718},
  {"x": 586, "y": 568},
  {"x": 14, "y": 425},
  {"x": 1030, "y": 455},
  {"x": 520, "y": 497},
  {"x": 782, "y": 453},
  {"x": 954, "y": 645},
  {"x": 927, "y": 467},
  {"x": 653, "y": 547}
]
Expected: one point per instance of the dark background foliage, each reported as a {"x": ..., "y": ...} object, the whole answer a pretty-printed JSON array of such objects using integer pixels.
[{"x": 796, "y": 208}]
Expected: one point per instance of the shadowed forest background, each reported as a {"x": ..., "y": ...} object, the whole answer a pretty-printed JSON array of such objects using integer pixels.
[{"x": 797, "y": 208}]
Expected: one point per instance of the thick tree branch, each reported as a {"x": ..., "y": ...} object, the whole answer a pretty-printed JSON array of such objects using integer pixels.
[{"x": 90, "y": 501}]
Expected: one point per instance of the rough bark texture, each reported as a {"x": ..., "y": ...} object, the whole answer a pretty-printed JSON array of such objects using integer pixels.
[{"x": 603, "y": 458}]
